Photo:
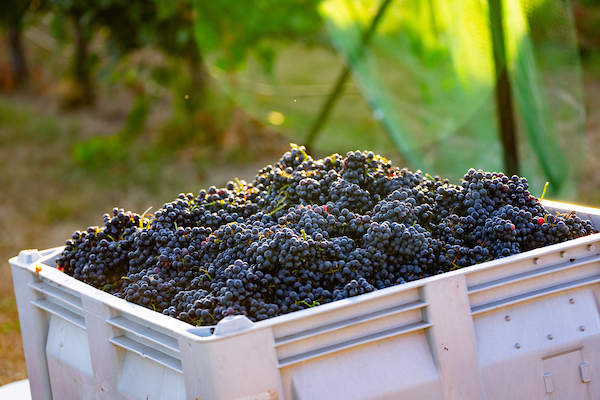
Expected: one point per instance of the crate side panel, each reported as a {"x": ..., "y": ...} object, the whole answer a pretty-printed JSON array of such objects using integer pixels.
[
  {"x": 513, "y": 341},
  {"x": 69, "y": 363},
  {"x": 396, "y": 368},
  {"x": 143, "y": 379}
]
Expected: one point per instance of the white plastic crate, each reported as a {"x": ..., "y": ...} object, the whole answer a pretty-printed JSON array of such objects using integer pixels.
[{"x": 522, "y": 327}]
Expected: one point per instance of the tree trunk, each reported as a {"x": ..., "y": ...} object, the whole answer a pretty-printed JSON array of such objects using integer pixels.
[
  {"x": 81, "y": 67},
  {"x": 198, "y": 78},
  {"x": 504, "y": 103},
  {"x": 17, "y": 55}
]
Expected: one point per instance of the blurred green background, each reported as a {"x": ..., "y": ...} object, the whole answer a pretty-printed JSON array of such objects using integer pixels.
[{"x": 127, "y": 103}]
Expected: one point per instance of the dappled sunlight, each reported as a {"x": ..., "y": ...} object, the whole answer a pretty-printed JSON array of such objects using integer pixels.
[
  {"x": 343, "y": 15},
  {"x": 471, "y": 44},
  {"x": 275, "y": 118}
]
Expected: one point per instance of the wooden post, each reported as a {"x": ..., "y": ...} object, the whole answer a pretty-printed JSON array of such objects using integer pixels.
[{"x": 504, "y": 103}]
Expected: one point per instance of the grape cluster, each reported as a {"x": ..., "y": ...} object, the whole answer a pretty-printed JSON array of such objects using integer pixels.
[
  {"x": 99, "y": 256},
  {"x": 306, "y": 232}
]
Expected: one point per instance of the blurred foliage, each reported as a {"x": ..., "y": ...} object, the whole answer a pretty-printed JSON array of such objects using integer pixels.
[
  {"x": 232, "y": 30},
  {"x": 12, "y": 12},
  {"x": 438, "y": 100},
  {"x": 186, "y": 32},
  {"x": 98, "y": 150}
]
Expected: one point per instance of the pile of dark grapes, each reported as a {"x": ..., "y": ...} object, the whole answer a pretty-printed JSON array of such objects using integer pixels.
[{"x": 306, "y": 232}]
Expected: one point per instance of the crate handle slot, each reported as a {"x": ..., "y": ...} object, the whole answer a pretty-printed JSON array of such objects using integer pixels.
[
  {"x": 353, "y": 343},
  {"x": 533, "y": 274},
  {"x": 147, "y": 352},
  {"x": 59, "y": 311},
  {"x": 335, "y": 326},
  {"x": 168, "y": 343},
  {"x": 535, "y": 294},
  {"x": 58, "y": 296}
]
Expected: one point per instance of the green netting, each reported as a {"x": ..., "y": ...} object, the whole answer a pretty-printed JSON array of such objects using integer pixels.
[
  {"x": 428, "y": 74},
  {"x": 429, "y": 69}
]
